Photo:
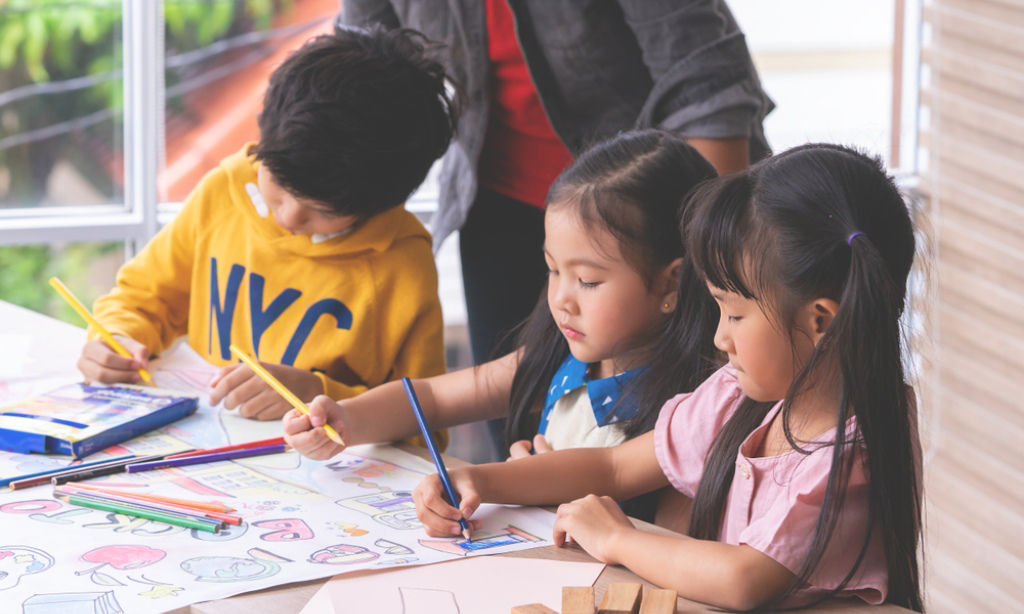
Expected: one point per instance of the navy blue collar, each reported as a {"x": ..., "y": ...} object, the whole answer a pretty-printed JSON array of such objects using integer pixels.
[{"x": 603, "y": 392}]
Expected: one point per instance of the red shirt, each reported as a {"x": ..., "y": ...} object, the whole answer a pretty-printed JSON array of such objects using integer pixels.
[{"x": 522, "y": 155}]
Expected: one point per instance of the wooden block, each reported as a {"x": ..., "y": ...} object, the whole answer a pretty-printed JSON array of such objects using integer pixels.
[
  {"x": 577, "y": 600},
  {"x": 621, "y": 598},
  {"x": 658, "y": 601},
  {"x": 533, "y": 608}
]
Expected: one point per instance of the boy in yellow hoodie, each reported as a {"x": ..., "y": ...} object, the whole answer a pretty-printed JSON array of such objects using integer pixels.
[{"x": 297, "y": 248}]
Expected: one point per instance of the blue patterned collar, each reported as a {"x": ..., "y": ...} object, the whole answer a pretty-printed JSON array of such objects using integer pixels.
[{"x": 603, "y": 392}]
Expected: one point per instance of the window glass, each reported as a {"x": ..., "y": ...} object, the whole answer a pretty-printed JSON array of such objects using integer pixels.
[
  {"x": 88, "y": 269},
  {"x": 219, "y": 57},
  {"x": 60, "y": 100}
]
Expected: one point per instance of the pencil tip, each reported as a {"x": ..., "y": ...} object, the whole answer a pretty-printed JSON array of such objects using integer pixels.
[{"x": 465, "y": 533}]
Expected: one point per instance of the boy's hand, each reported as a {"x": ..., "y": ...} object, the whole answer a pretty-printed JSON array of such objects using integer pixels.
[
  {"x": 238, "y": 386},
  {"x": 438, "y": 516},
  {"x": 100, "y": 363},
  {"x": 594, "y": 523},
  {"x": 521, "y": 448},
  {"x": 306, "y": 434}
]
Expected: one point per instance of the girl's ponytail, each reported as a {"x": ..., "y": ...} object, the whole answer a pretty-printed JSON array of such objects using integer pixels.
[{"x": 866, "y": 332}]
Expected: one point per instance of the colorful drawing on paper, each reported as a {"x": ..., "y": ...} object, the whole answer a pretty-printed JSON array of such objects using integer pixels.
[
  {"x": 119, "y": 557},
  {"x": 62, "y": 603},
  {"x": 302, "y": 520},
  {"x": 17, "y": 562},
  {"x": 343, "y": 554},
  {"x": 229, "y": 568},
  {"x": 462, "y": 547}
]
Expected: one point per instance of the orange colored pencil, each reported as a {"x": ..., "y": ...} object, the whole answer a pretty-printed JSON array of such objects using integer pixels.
[{"x": 199, "y": 505}]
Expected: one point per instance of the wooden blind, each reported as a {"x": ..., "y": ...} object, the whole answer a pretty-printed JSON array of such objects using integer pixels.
[{"x": 972, "y": 140}]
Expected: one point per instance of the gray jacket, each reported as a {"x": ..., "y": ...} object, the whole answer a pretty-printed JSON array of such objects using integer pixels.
[{"x": 599, "y": 66}]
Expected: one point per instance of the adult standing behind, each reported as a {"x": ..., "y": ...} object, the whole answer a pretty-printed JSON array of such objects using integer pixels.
[{"x": 542, "y": 80}]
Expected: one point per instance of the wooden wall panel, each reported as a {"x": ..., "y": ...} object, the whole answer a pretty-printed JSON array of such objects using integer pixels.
[{"x": 973, "y": 342}]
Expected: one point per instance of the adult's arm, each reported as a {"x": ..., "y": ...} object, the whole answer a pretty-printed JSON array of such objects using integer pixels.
[{"x": 705, "y": 85}]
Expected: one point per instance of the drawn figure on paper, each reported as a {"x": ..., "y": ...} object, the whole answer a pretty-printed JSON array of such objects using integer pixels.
[
  {"x": 391, "y": 547},
  {"x": 344, "y": 463},
  {"x": 428, "y": 601},
  {"x": 284, "y": 530},
  {"x": 120, "y": 557},
  {"x": 348, "y": 528},
  {"x": 361, "y": 483},
  {"x": 393, "y": 508},
  {"x": 229, "y": 568},
  {"x": 158, "y": 590},
  {"x": 511, "y": 535},
  {"x": 18, "y": 561},
  {"x": 62, "y": 603},
  {"x": 342, "y": 554}
]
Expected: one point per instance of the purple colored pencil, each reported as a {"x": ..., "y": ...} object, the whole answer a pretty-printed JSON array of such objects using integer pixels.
[{"x": 204, "y": 458}]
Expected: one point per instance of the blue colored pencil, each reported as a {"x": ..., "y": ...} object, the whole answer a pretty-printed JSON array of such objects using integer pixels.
[
  {"x": 204, "y": 458},
  {"x": 432, "y": 446},
  {"x": 7, "y": 481}
]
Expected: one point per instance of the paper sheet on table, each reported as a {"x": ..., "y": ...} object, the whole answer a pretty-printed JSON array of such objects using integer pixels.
[{"x": 481, "y": 584}]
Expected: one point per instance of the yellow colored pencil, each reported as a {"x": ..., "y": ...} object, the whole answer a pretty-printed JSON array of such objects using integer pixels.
[
  {"x": 91, "y": 321},
  {"x": 284, "y": 392}
]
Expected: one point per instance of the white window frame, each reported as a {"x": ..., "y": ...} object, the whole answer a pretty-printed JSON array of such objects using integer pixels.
[{"x": 134, "y": 221}]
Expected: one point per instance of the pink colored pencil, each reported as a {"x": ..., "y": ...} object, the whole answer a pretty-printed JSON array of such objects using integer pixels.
[
  {"x": 274, "y": 441},
  {"x": 200, "y": 505}
]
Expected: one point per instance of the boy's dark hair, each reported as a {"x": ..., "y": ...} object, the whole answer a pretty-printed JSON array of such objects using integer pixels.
[
  {"x": 355, "y": 119},
  {"x": 823, "y": 221},
  {"x": 633, "y": 186}
]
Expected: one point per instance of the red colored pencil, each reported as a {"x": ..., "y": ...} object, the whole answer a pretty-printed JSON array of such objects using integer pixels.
[{"x": 274, "y": 441}]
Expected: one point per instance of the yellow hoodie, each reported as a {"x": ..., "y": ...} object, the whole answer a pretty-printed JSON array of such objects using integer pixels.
[{"x": 358, "y": 309}]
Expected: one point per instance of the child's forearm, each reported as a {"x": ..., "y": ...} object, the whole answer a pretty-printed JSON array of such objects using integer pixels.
[
  {"x": 546, "y": 479},
  {"x": 724, "y": 575},
  {"x": 383, "y": 413}
]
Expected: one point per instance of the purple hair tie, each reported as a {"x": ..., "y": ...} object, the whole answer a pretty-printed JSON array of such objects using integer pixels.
[{"x": 853, "y": 235}]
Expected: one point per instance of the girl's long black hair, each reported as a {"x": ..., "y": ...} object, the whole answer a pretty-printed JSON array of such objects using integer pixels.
[
  {"x": 823, "y": 221},
  {"x": 634, "y": 186}
]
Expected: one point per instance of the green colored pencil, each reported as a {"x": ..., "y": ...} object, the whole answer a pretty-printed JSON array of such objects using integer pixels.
[{"x": 128, "y": 510}]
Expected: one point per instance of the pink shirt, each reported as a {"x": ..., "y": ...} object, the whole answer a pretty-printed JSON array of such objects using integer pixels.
[{"x": 773, "y": 503}]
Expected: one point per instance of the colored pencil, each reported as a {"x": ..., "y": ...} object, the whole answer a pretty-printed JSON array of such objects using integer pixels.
[
  {"x": 100, "y": 470},
  {"x": 283, "y": 391},
  {"x": 149, "y": 504},
  {"x": 205, "y": 458},
  {"x": 434, "y": 453},
  {"x": 273, "y": 441},
  {"x": 129, "y": 510},
  {"x": 104, "y": 468},
  {"x": 91, "y": 321},
  {"x": 48, "y": 472},
  {"x": 202, "y": 505}
]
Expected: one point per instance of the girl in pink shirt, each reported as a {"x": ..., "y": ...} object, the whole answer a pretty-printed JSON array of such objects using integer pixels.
[{"x": 794, "y": 500}]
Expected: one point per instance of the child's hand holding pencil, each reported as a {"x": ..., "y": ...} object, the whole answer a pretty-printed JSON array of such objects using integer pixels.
[
  {"x": 100, "y": 363},
  {"x": 439, "y": 517},
  {"x": 306, "y": 434}
]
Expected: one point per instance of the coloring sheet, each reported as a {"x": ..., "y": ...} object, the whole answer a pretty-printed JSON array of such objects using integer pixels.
[{"x": 302, "y": 520}]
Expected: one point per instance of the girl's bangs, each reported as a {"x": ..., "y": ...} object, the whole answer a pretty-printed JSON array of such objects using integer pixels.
[{"x": 719, "y": 234}]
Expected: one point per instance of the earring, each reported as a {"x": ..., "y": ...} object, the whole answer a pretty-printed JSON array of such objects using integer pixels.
[{"x": 666, "y": 307}]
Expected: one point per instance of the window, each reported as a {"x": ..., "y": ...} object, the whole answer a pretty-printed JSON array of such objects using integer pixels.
[{"x": 110, "y": 111}]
